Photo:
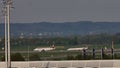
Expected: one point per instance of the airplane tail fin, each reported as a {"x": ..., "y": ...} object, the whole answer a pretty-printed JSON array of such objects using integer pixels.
[{"x": 53, "y": 46}]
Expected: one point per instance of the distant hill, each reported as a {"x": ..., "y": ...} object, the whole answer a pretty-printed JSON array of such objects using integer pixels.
[{"x": 67, "y": 28}]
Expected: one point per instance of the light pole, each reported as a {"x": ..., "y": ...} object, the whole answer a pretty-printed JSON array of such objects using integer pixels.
[
  {"x": 6, "y": 12},
  {"x": 8, "y": 21},
  {"x": 5, "y": 20}
]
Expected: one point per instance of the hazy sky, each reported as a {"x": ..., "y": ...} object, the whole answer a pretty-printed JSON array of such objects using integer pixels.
[{"x": 65, "y": 10}]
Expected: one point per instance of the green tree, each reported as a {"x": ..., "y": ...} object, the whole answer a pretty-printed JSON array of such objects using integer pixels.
[
  {"x": 116, "y": 56},
  {"x": 17, "y": 57},
  {"x": 78, "y": 57},
  {"x": 70, "y": 57},
  {"x": 2, "y": 58},
  {"x": 34, "y": 57},
  {"x": 107, "y": 56}
]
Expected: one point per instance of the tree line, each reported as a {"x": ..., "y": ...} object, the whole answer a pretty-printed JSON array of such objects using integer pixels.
[{"x": 98, "y": 39}]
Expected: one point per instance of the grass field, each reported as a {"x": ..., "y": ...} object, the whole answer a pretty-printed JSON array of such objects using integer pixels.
[
  {"x": 60, "y": 47},
  {"x": 60, "y": 53}
]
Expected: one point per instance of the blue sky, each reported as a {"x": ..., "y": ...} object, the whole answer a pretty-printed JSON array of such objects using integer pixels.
[{"x": 27, "y": 11}]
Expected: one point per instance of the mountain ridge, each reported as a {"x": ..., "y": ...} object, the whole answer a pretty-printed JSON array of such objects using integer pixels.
[{"x": 67, "y": 28}]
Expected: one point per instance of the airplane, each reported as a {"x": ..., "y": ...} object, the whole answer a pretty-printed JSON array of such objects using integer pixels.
[
  {"x": 44, "y": 49},
  {"x": 77, "y": 49}
]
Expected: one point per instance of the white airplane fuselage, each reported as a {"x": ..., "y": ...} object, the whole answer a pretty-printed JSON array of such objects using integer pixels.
[
  {"x": 77, "y": 49},
  {"x": 43, "y": 49}
]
